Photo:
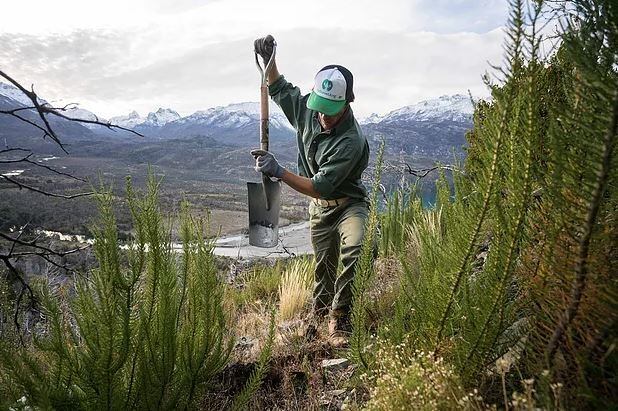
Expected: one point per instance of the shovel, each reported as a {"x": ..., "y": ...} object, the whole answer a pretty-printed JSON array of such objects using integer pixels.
[{"x": 264, "y": 197}]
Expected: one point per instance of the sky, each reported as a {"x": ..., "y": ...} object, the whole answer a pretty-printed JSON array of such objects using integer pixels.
[{"x": 116, "y": 56}]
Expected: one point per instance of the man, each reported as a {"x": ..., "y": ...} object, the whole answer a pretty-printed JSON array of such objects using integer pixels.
[{"x": 332, "y": 155}]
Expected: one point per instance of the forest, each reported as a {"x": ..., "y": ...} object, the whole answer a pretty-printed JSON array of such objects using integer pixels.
[{"x": 501, "y": 295}]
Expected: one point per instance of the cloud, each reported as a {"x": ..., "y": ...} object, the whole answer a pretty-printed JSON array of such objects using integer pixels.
[
  {"x": 114, "y": 72},
  {"x": 235, "y": 17},
  {"x": 194, "y": 54},
  {"x": 57, "y": 64},
  {"x": 452, "y": 16}
]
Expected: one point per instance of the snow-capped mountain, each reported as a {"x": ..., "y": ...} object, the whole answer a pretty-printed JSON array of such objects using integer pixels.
[
  {"x": 430, "y": 128},
  {"x": 128, "y": 121},
  {"x": 12, "y": 92},
  {"x": 161, "y": 117},
  {"x": 236, "y": 124},
  {"x": 236, "y": 115},
  {"x": 148, "y": 125},
  {"x": 457, "y": 107},
  {"x": 16, "y": 95},
  {"x": 83, "y": 114}
]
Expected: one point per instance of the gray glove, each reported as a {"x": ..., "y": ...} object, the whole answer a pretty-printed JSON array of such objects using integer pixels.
[
  {"x": 266, "y": 163},
  {"x": 264, "y": 47}
]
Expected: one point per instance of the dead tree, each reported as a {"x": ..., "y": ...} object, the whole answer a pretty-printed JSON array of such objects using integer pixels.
[{"x": 21, "y": 243}]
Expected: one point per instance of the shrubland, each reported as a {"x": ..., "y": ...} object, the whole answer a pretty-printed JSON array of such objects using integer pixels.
[{"x": 501, "y": 295}]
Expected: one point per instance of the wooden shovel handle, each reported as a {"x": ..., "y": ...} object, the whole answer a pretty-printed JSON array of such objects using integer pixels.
[
  {"x": 264, "y": 97},
  {"x": 264, "y": 117}
]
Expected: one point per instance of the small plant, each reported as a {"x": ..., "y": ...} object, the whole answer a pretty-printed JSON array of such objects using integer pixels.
[
  {"x": 404, "y": 378},
  {"x": 295, "y": 288},
  {"x": 261, "y": 284}
]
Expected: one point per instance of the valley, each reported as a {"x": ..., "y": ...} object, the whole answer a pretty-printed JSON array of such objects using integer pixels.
[{"x": 202, "y": 158}]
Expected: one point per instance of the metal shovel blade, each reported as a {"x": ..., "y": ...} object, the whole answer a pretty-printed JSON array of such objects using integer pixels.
[{"x": 264, "y": 206}]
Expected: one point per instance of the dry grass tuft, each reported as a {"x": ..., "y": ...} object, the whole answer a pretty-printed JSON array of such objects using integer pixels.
[{"x": 295, "y": 289}]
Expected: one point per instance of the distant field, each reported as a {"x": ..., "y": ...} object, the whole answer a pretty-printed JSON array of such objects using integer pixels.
[
  {"x": 225, "y": 201},
  {"x": 209, "y": 178}
]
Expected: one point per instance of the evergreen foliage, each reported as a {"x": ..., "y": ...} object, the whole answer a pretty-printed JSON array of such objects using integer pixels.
[
  {"x": 364, "y": 272},
  {"x": 146, "y": 329},
  {"x": 519, "y": 267},
  {"x": 402, "y": 206}
]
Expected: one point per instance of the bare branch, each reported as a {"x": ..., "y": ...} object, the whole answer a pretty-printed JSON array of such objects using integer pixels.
[
  {"x": 107, "y": 124},
  {"x": 24, "y": 286},
  {"x": 17, "y": 160},
  {"x": 43, "y": 109},
  {"x": 56, "y": 111},
  {"x": 26, "y": 159},
  {"x": 421, "y": 172},
  {"x": 21, "y": 231},
  {"x": 46, "y": 133},
  {"x": 14, "y": 244},
  {"x": 53, "y": 170},
  {"x": 6, "y": 150},
  {"x": 37, "y": 190}
]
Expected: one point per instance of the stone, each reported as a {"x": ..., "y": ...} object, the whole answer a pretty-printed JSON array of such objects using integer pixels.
[
  {"x": 246, "y": 342},
  {"x": 335, "y": 364}
]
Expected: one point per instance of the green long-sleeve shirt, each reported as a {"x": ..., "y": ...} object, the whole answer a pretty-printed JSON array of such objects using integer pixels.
[{"x": 334, "y": 160}]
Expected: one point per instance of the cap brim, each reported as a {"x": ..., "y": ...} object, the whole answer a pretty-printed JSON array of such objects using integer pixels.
[{"x": 323, "y": 105}]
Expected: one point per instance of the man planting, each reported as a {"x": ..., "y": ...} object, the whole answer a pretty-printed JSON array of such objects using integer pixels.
[{"x": 332, "y": 155}]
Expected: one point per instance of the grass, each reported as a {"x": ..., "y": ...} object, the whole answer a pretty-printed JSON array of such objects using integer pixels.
[
  {"x": 259, "y": 284},
  {"x": 295, "y": 289}
]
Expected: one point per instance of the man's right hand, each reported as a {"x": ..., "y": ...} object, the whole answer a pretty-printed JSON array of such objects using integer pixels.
[
  {"x": 265, "y": 162},
  {"x": 264, "y": 47}
]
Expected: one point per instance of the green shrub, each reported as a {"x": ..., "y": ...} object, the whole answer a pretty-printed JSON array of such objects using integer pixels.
[
  {"x": 519, "y": 263},
  {"x": 401, "y": 208},
  {"x": 149, "y": 333},
  {"x": 364, "y": 273}
]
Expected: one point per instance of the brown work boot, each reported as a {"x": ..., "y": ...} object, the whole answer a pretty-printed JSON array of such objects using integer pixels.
[{"x": 339, "y": 328}]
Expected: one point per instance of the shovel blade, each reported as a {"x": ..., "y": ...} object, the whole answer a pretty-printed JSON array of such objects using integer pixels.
[{"x": 264, "y": 206}]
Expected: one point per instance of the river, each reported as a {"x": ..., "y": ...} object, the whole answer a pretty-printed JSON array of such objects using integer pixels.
[{"x": 294, "y": 239}]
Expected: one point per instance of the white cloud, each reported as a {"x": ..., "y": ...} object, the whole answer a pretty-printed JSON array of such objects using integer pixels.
[{"x": 193, "y": 54}]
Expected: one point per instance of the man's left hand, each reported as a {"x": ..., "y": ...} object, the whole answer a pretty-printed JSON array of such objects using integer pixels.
[{"x": 265, "y": 162}]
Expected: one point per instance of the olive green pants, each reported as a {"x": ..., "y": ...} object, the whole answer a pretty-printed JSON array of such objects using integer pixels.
[{"x": 336, "y": 232}]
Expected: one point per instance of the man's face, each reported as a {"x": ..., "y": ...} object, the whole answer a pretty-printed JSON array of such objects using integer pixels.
[{"x": 329, "y": 122}]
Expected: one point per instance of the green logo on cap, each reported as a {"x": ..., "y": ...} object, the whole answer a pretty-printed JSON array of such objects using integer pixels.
[{"x": 327, "y": 85}]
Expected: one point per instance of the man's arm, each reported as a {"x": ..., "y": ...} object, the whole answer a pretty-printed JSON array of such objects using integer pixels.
[
  {"x": 301, "y": 184},
  {"x": 266, "y": 163},
  {"x": 273, "y": 74}
]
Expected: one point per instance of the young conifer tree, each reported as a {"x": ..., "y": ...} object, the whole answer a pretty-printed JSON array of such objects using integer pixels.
[
  {"x": 146, "y": 328},
  {"x": 364, "y": 272},
  {"x": 523, "y": 261}
]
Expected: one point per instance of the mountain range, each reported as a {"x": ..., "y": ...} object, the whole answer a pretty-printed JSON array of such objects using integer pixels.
[
  {"x": 407, "y": 126},
  {"x": 431, "y": 130}
]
